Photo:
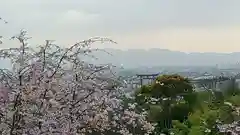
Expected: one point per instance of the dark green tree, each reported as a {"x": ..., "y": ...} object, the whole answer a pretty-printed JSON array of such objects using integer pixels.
[{"x": 170, "y": 97}]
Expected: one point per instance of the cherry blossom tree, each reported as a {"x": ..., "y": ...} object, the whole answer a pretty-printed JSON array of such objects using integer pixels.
[{"x": 50, "y": 90}]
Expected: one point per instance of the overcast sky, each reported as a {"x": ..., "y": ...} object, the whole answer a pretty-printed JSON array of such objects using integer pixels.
[{"x": 184, "y": 25}]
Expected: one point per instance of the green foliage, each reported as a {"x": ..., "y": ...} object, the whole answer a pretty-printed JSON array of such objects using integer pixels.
[
  {"x": 196, "y": 130},
  {"x": 181, "y": 111},
  {"x": 179, "y": 128},
  {"x": 178, "y": 109},
  {"x": 154, "y": 112},
  {"x": 174, "y": 99},
  {"x": 235, "y": 100},
  {"x": 170, "y": 86}
]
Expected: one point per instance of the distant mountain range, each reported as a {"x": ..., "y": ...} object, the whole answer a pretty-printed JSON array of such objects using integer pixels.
[
  {"x": 139, "y": 58},
  {"x": 134, "y": 58}
]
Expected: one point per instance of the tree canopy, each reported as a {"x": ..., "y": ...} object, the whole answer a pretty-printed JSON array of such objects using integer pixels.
[{"x": 172, "y": 103}]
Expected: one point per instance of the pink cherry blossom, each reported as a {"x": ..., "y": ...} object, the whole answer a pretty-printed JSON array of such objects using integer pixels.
[{"x": 53, "y": 91}]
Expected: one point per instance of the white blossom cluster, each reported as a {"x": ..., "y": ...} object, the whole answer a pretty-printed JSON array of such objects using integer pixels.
[
  {"x": 52, "y": 91},
  {"x": 231, "y": 129}
]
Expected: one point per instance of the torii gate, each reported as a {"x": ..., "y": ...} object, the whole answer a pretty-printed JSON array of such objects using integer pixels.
[{"x": 150, "y": 77}]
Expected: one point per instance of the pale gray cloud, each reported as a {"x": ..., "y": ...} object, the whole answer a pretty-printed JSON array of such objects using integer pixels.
[{"x": 67, "y": 21}]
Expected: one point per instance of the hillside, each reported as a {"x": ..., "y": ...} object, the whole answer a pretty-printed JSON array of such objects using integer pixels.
[{"x": 135, "y": 58}]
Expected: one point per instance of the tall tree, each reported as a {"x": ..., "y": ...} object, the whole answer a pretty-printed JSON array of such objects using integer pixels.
[
  {"x": 51, "y": 90},
  {"x": 173, "y": 94}
]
